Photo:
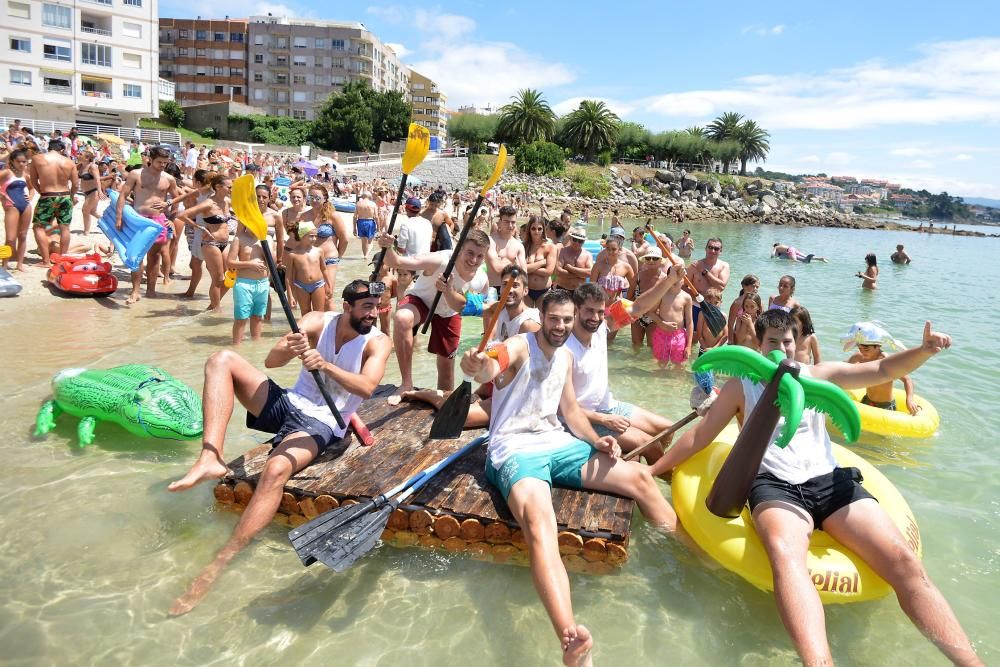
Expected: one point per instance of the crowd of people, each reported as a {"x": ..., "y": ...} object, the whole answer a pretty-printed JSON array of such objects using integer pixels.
[{"x": 545, "y": 390}]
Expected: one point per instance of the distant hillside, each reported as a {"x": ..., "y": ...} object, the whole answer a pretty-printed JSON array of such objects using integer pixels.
[{"x": 982, "y": 201}]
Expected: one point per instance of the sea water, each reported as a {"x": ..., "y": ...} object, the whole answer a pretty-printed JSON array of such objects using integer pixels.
[{"x": 95, "y": 549}]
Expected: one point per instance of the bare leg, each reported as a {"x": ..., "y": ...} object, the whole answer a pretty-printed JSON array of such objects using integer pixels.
[
  {"x": 42, "y": 240},
  {"x": 153, "y": 269},
  {"x": 22, "y": 237},
  {"x": 64, "y": 239},
  {"x": 11, "y": 219},
  {"x": 195, "y": 265},
  {"x": 446, "y": 373},
  {"x": 136, "y": 286},
  {"x": 304, "y": 299},
  {"x": 214, "y": 264},
  {"x": 256, "y": 327},
  {"x": 633, "y": 480},
  {"x": 318, "y": 299},
  {"x": 239, "y": 326},
  {"x": 530, "y": 502},
  {"x": 295, "y": 452},
  {"x": 404, "y": 320},
  {"x": 227, "y": 376}
]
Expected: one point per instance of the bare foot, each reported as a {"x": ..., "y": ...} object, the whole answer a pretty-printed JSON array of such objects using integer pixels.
[
  {"x": 433, "y": 396},
  {"x": 151, "y": 293},
  {"x": 199, "y": 472},
  {"x": 132, "y": 298},
  {"x": 577, "y": 644},
  {"x": 397, "y": 395},
  {"x": 187, "y": 295},
  {"x": 197, "y": 590}
]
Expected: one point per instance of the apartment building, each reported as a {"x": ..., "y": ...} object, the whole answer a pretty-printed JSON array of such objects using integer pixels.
[
  {"x": 429, "y": 105},
  {"x": 205, "y": 58},
  {"x": 86, "y": 61},
  {"x": 295, "y": 64}
]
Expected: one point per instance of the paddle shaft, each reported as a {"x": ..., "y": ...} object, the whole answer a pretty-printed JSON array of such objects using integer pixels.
[
  {"x": 454, "y": 257},
  {"x": 690, "y": 417},
  {"x": 392, "y": 225},
  {"x": 295, "y": 329}
]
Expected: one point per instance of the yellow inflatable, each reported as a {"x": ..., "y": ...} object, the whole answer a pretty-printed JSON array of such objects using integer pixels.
[
  {"x": 899, "y": 422},
  {"x": 838, "y": 574}
]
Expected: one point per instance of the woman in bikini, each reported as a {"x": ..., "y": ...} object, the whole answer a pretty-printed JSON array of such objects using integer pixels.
[
  {"x": 16, "y": 194},
  {"x": 90, "y": 187},
  {"x": 212, "y": 217},
  {"x": 540, "y": 256},
  {"x": 613, "y": 273},
  {"x": 869, "y": 279},
  {"x": 304, "y": 269},
  {"x": 783, "y": 300}
]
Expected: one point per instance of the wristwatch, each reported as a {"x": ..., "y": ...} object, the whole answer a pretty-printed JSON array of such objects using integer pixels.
[{"x": 704, "y": 272}]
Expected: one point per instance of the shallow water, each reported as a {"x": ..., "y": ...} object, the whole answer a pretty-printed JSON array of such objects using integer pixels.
[{"x": 95, "y": 548}]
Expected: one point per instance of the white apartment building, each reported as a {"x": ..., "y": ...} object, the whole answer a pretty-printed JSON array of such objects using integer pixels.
[{"x": 79, "y": 61}]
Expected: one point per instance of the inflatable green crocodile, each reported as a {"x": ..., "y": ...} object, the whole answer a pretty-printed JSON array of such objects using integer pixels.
[{"x": 144, "y": 400}]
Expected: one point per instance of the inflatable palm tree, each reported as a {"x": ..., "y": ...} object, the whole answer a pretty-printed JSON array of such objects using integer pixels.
[{"x": 786, "y": 394}]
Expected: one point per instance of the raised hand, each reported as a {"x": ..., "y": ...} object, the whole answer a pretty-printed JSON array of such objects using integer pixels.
[{"x": 934, "y": 341}]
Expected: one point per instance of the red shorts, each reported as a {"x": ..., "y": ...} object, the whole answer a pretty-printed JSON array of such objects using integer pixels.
[{"x": 445, "y": 331}]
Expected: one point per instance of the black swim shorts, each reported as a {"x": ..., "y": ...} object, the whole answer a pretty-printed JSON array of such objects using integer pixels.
[
  {"x": 820, "y": 496},
  {"x": 282, "y": 418}
]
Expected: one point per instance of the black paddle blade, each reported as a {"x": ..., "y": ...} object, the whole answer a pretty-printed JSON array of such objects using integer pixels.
[
  {"x": 309, "y": 538},
  {"x": 450, "y": 418},
  {"x": 714, "y": 318},
  {"x": 350, "y": 542}
]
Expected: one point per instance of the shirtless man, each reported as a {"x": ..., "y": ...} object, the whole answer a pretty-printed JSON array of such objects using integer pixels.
[
  {"x": 517, "y": 317},
  {"x": 54, "y": 177},
  {"x": 150, "y": 187},
  {"x": 708, "y": 272},
  {"x": 900, "y": 256},
  {"x": 434, "y": 211},
  {"x": 506, "y": 248},
  {"x": 350, "y": 355},
  {"x": 685, "y": 244},
  {"x": 573, "y": 263},
  {"x": 672, "y": 333},
  {"x": 364, "y": 221},
  {"x": 529, "y": 450},
  {"x": 639, "y": 245}
]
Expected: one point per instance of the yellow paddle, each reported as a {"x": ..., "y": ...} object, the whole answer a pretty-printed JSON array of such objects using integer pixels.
[
  {"x": 5, "y": 251},
  {"x": 418, "y": 142},
  {"x": 494, "y": 177},
  {"x": 244, "y": 200}
]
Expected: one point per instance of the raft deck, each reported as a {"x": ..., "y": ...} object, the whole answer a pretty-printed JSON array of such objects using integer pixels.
[{"x": 458, "y": 511}]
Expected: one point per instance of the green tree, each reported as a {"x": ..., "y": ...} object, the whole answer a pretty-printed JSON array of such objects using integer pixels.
[
  {"x": 172, "y": 113},
  {"x": 754, "y": 143},
  {"x": 358, "y": 118},
  {"x": 472, "y": 129},
  {"x": 540, "y": 158},
  {"x": 592, "y": 128},
  {"x": 725, "y": 152},
  {"x": 697, "y": 131},
  {"x": 282, "y": 131},
  {"x": 633, "y": 141},
  {"x": 724, "y": 128},
  {"x": 527, "y": 118},
  {"x": 390, "y": 116}
]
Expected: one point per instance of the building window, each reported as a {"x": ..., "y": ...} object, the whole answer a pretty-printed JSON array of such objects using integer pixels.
[
  {"x": 282, "y": 42},
  {"x": 236, "y": 37},
  {"x": 132, "y": 3},
  {"x": 300, "y": 42},
  {"x": 219, "y": 54},
  {"x": 220, "y": 37},
  {"x": 299, "y": 61},
  {"x": 283, "y": 96},
  {"x": 258, "y": 77},
  {"x": 57, "y": 16},
  {"x": 130, "y": 29},
  {"x": 281, "y": 79},
  {"x": 299, "y": 114},
  {"x": 57, "y": 84},
  {"x": 258, "y": 40},
  {"x": 258, "y": 58},
  {"x": 20, "y": 44},
  {"x": 299, "y": 96},
  {"x": 235, "y": 71},
  {"x": 299, "y": 79},
  {"x": 238, "y": 90},
  {"x": 218, "y": 71},
  {"x": 201, "y": 53},
  {"x": 319, "y": 43},
  {"x": 20, "y": 77},
  {"x": 183, "y": 34},
  {"x": 132, "y": 60},
  {"x": 131, "y": 90},
  {"x": 337, "y": 44},
  {"x": 200, "y": 35},
  {"x": 219, "y": 90},
  {"x": 200, "y": 71},
  {"x": 95, "y": 54},
  {"x": 418, "y": 98},
  {"x": 57, "y": 49},
  {"x": 281, "y": 61},
  {"x": 181, "y": 51},
  {"x": 258, "y": 94},
  {"x": 19, "y": 10}
]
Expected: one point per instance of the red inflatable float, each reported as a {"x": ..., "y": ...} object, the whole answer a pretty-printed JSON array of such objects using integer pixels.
[{"x": 87, "y": 275}]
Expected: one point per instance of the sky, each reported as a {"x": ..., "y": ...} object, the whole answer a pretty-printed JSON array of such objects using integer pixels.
[{"x": 906, "y": 92}]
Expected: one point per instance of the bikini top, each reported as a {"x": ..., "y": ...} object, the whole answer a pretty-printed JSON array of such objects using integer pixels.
[
  {"x": 213, "y": 219},
  {"x": 86, "y": 177}
]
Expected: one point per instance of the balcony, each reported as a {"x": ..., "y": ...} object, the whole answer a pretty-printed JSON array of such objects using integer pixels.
[
  {"x": 364, "y": 53},
  {"x": 58, "y": 89},
  {"x": 95, "y": 25},
  {"x": 106, "y": 3},
  {"x": 96, "y": 88}
]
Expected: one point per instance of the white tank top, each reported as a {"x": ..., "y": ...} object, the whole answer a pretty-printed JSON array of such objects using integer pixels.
[
  {"x": 508, "y": 326},
  {"x": 424, "y": 287},
  {"x": 306, "y": 396},
  {"x": 590, "y": 371},
  {"x": 808, "y": 455},
  {"x": 524, "y": 411}
]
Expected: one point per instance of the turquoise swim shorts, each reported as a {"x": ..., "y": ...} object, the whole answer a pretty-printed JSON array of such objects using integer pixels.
[
  {"x": 562, "y": 467},
  {"x": 250, "y": 298}
]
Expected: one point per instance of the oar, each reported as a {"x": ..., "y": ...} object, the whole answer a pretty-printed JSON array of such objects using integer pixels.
[
  {"x": 450, "y": 418},
  {"x": 6, "y": 251},
  {"x": 417, "y": 144},
  {"x": 713, "y": 316},
  {"x": 670, "y": 430},
  {"x": 244, "y": 201},
  {"x": 470, "y": 222},
  {"x": 341, "y": 536}
]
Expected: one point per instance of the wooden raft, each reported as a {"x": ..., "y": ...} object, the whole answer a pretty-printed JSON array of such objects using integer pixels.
[{"x": 458, "y": 511}]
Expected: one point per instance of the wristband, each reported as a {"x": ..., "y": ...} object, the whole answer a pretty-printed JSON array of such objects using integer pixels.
[{"x": 499, "y": 352}]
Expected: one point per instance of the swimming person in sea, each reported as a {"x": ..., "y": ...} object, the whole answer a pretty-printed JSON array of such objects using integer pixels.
[
  {"x": 782, "y": 251},
  {"x": 869, "y": 279}
]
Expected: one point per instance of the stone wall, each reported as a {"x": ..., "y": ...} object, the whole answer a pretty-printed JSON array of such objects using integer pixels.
[{"x": 452, "y": 172}]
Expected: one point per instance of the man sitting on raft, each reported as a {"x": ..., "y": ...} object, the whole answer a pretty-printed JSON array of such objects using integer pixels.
[
  {"x": 782, "y": 251},
  {"x": 529, "y": 451},
  {"x": 350, "y": 355},
  {"x": 799, "y": 489}
]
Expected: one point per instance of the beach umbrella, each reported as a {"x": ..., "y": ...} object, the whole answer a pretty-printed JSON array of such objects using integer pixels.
[
  {"x": 323, "y": 161},
  {"x": 110, "y": 138}
]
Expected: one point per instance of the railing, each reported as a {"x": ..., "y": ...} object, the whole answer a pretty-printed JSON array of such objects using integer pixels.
[
  {"x": 106, "y": 3},
  {"x": 95, "y": 31},
  {"x": 40, "y": 127},
  {"x": 96, "y": 93},
  {"x": 50, "y": 88},
  {"x": 360, "y": 160}
]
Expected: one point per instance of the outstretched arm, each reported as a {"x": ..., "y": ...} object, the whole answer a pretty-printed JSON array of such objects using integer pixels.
[{"x": 727, "y": 405}]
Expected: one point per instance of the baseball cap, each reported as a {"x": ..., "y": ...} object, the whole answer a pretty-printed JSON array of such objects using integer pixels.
[
  {"x": 413, "y": 204},
  {"x": 578, "y": 233},
  {"x": 653, "y": 252}
]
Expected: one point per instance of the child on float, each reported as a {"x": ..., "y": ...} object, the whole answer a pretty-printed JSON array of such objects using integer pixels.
[
  {"x": 703, "y": 334},
  {"x": 744, "y": 331},
  {"x": 304, "y": 269},
  {"x": 870, "y": 338},
  {"x": 807, "y": 344},
  {"x": 750, "y": 284},
  {"x": 784, "y": 299}
]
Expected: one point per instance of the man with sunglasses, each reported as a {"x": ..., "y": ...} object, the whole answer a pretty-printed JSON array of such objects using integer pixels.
[
  {"x": 708, "y": 272},
  {"x": 573, "y": 264}
]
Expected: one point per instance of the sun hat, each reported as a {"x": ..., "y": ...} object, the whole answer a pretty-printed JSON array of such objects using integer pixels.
[
  {"x": 578, "y": 233},
  {"x": 869, "y": 333},
  {"x": 653, "y": 252}
]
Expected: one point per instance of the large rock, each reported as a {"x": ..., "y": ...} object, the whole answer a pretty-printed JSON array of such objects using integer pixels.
[
  {"x": 770, "y": 201},
  {"x": 664, "y": 176},
  {"x": 626, "y": 181},
  {"x": 688, "y": 183}
]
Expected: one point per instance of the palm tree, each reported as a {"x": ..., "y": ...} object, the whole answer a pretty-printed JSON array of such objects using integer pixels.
[
  {"x": 754, "y": 143},
  {"x": 592, "y": 128},
  {"x": 528, "y": 117},
  {"x": 724, "y": 128},
  {"x": 696, "y": 131}
]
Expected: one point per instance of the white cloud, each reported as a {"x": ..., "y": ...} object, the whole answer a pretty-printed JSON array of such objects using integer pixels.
[
  {"x": 921, "y": 164},
  {"x": 962, "y": 157},
  {"x": 262, "y": 8},
  {"x": 838, "y": 159},
  {"x": 619, "y": 107},
  {"x": 764, "y": 30},
  {"x": 432, "y": 21},
  {"x": 944, "y": 183},
  {"x": 808, "y": 159},
  {"x": 399, "y": 49},
  {"x": 908, "y": 151}
]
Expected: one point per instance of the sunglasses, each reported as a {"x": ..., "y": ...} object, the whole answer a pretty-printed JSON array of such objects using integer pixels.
[
  {"x": 575, "y": 240},
  {"x": 715, "y": 248},
  {"x": 650, "y": 260}
]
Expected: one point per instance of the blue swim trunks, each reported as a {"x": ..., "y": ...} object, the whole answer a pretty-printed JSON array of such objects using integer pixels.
[
  {"x": 366, "y": 229},
  {"x": 560, "y": 466},
  {"x": 250, "y": 298},
  {"x": 623, "y": 409}
]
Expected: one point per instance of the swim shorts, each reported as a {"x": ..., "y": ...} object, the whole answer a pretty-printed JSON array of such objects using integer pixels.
[
  {"x": 445, "y": 331},
  {"x": 282, "y": 418},
  {"x": 562, "y": 467},
  {"x": 820, "y": 496},
  {"x": 536, "y": 294},
  {"x": 886, "y": 405},
  {"x": 366, "y": 228},
  {"x": 168, "y": 230},
  {"x": 250, "y": 298},
  {"x": 621, "y": 409},
  {"x": 670, "y": 345},
  {"x": 51, "y": 212}
]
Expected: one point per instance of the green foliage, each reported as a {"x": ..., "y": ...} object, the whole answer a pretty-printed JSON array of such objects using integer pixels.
[
  {"x": 592, "y": 128},
  {"x": 358, "y": 118},
  {"x": 604, "y": 157},
  {"x": 540, "y": 158},
  {"x": 281, "y": 131},
  {"x": 481, "y": 167},
  {"x": 725, "y": 151},
  {"x": 473, "y": 130},
  {"x": 760, "y": 172},
  {"x": 939, "y": 207},
  {"x": 633, "y": 141},
  {"x": 589, "y": 182},
  {"x": 172, "y": 113},
  {"x": 754, "y": 144},
  {"x": 526, "y": 119},
  {"x": 210, "y": 133}
]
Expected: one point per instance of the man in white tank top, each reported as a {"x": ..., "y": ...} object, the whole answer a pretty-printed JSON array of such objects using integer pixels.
[
  {"x": 515, "y": 317},
  {"x": 630, "y": 425},
  {"x": 530, "y": 450},
  {"x": 800, "y": 489},
  {"x": 350, "y": 356}
]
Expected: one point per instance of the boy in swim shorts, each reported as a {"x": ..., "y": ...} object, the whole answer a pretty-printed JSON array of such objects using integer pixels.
[
  {"x": 869, "y": 338},
  {"x": 673, "y": 333},
  {"x": 252, "y": 287}
]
